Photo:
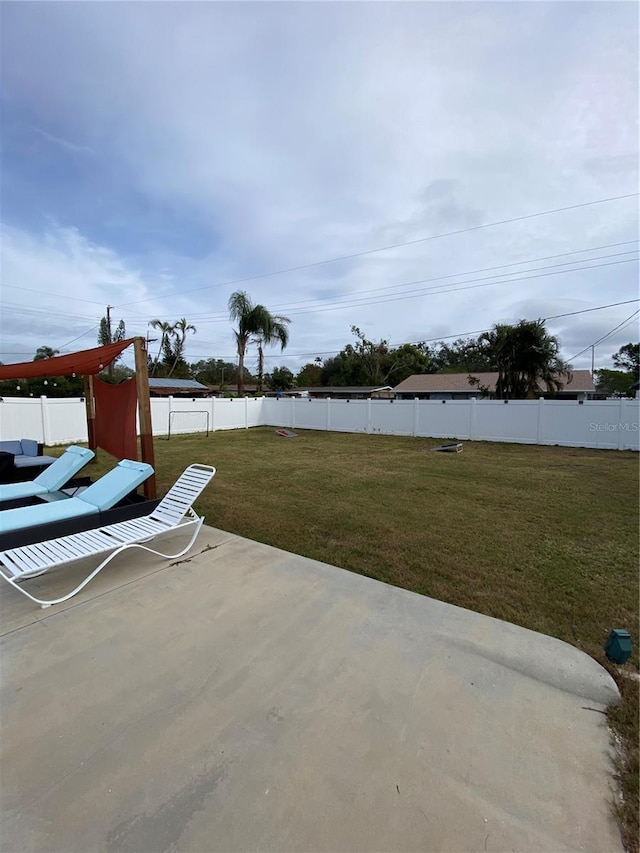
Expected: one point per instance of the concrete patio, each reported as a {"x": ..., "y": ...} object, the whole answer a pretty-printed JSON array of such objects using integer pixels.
[{"x": 247, "y": 699}]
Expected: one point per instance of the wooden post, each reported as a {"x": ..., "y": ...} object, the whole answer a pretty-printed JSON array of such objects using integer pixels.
[
  {"x": 90, "y": 406},
  {"x": 144, "y": 413}
]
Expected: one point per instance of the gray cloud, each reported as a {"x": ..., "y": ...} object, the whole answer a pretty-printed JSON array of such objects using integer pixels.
[{"x": 289, "y": 133}]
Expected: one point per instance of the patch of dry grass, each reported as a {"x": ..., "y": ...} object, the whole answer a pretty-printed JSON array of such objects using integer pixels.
[{"x": 545, "y": 537}]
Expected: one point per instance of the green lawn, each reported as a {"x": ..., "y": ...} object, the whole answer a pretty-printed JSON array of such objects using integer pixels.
[{"x": 545, "y": 537}]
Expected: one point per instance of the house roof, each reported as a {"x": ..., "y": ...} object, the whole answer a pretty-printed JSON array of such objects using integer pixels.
[
  {"x": 345, "y": 389},
  {"x": 230, "y": 387},
  {"x": 579, "y": 380},
  {"x": 165, "y": 385}
]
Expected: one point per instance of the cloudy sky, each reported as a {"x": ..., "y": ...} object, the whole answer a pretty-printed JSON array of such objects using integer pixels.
[{"x": 159, "y": 156}]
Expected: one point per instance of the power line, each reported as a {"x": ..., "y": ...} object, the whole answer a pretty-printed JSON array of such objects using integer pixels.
[
  {"x": 21, "y": 308},
  {"x": 586, "y": 310},
  {"x": 458, "y": 286},
  {"x": 47, "y": 293},
  {"x": 445, "y": 337},
  {"x": 469, "y": 284},
  {"x": 309, "y": 303},
  {"x": 604, "y": 337},
  {"x": 92, "y": 329},
  {"x": 387, "y": 248}
]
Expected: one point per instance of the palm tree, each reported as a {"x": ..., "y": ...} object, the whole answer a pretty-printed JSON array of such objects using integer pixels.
[
  {"x": 257, "y": 321},
  {"x": 526, "y": 356},
  {"x": 252, "y": 320},
  {"x": 166, "y": 330},
  {"x": 275, "y": 332},
  {"x": 180, "y": 332}
]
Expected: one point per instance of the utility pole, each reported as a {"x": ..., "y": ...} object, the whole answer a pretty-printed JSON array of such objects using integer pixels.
[
  {"x": 109, "y": 337},
  {"x": 109, "y": 307},
  {"x": 593, "y": 357}
]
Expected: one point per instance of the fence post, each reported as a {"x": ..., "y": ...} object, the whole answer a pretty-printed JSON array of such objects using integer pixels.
[
  {"x": 539, "y": 423},
  {"x": 293, "y": 412},
  {"x": 368, "y": 424},
  {"x": 213, "y": 414},
  {"x": 472, "y": 419},
  {"x": 415, "y": 416},
  {"x": 45, "y": 420},
  {"x": 246, "y": 413},
  {"x": 328, "y": 412},
  {"x": 619, "y": 429}
]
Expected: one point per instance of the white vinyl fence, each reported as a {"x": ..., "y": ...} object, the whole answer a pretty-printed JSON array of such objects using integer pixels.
[{"x": 605, "y": 424}]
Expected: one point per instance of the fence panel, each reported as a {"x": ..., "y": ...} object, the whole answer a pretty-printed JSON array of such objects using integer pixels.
[
  {"x": 50, "y": 420},
  {"x": 443, "y": 419},
  {"x": 255, "y": 413},
  {"x": 348, "y": 416},
  {"x": 64, "y": 420},
  {"x": 20, "y": 418},
  {"x": 606, "y": 424},
  {"x": 497, "y": 420},
  {"x": 391, "y": 417}
]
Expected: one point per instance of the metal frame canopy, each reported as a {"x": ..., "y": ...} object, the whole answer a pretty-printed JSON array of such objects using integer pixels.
[{"x": 88, "y": 363}]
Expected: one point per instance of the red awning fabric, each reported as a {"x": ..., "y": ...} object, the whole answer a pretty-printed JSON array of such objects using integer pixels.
[
  {"x": 87, "y": 362},
  {"x": 115, "y": 423}
]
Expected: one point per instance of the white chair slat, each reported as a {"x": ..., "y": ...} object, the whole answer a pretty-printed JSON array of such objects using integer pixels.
[
  {"x": 130, "y": 531},
  {"x": 16, "y": 565}
]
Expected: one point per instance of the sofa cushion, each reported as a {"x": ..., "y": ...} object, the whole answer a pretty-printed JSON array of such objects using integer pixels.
[
  {"x": 33, "y": 461},
  {"x": 14, "y": 447},
  {"x": 29, "y": 447}
]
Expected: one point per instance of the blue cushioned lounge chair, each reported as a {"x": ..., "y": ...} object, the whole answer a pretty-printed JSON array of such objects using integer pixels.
[
  {"x": 102, "y": 495},
  {"x": 53, "y": 478}
]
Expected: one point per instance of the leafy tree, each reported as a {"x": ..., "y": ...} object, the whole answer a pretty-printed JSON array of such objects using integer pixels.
[
  {"x": 405, "y": 361},
  {"x": 216, "y": 372},
  {"x": 310, "y": 376},
  {"x": 464, "y": 355},
  {"x": 474, "y": 381},
  {"x": 119, "y": 374},
  {"x": 369, "y": 363},
  {"x": 628, "y": 359},
  {"x": 613, "y": 382},
  {"x": 280, "y": 379},
  {"x": 339, "y": 369},
  {"x": 106, "y": 336},
  {"x": 526, "y": 356},
  {"x": 45, "y": 352}
]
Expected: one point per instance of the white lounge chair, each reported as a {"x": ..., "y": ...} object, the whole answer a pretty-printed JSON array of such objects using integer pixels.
[{"x": 174, "y": 512}]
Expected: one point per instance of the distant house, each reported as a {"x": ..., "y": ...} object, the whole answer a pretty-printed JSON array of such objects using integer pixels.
[
  {"x": 230, "y": 389},
  {"x": 456, "y": 386},
  {"x": 167, "y": 386},
  {"x": 345, "y": 392}
]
